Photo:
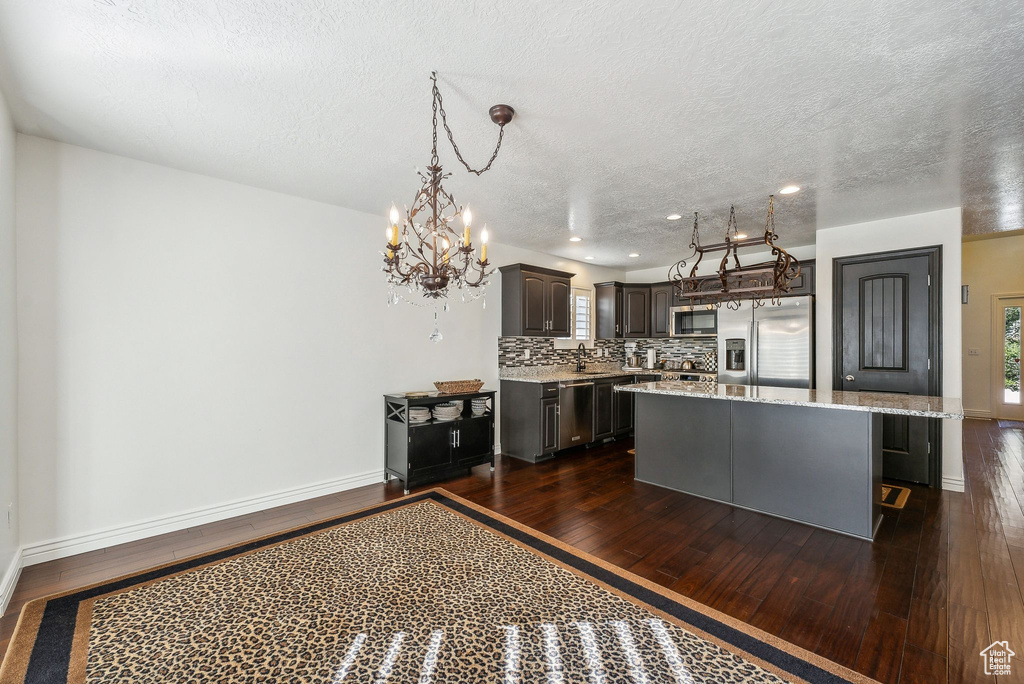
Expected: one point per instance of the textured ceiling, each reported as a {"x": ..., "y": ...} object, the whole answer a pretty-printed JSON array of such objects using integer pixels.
[{"x": 626, "y": 111}]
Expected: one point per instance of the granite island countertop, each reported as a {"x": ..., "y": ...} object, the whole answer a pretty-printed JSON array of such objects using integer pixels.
[{"x": 872, "y": 402}]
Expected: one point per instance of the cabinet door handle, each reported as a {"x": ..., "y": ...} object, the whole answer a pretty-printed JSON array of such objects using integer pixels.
[
  {"x": 458, "y": 437},
  {"x": 453, "y": 437}
]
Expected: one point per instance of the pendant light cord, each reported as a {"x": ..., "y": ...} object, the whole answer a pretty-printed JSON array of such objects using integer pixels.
[{"x": 439, "y": 105}]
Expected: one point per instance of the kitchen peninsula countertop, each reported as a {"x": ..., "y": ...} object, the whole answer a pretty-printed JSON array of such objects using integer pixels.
[{"x": 871, "y": 402}]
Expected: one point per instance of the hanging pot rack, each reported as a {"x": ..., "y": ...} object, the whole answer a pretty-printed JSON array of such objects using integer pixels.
[{"x": 732, "y": 285}]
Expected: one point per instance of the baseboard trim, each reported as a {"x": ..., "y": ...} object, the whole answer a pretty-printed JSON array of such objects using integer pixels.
[
  {"x": 953, "y": 484},
  {"x": 63, "y": 547},
  {"x": 9, "y": 580},
  {"x": 974, "y": 413}
]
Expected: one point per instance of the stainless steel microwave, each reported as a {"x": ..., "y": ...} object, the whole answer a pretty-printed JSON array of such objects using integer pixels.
[{"x": 693, "y": 321}]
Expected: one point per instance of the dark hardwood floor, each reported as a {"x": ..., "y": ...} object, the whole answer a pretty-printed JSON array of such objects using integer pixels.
[{"x": 941, "y": 582}]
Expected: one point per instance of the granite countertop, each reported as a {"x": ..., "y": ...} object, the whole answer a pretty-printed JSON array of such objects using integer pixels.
[
  {"x": 872, "y": 402},
  {"x": 543, "y": 374}
]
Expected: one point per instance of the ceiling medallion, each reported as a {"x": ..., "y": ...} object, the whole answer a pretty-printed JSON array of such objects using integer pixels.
[
  {"x": 424, "y": 253},
  {"x": 756, "y": 282}
]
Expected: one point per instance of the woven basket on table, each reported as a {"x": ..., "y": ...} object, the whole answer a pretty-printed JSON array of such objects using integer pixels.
[{"x": 459, "y": 386}]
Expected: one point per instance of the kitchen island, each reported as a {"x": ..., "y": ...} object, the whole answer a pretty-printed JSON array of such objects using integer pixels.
[{"x": 805, "y": 455}]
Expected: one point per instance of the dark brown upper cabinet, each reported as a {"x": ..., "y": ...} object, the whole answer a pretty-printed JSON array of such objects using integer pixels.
[
  {"x": 623, "y": 310},
  {"x": 637, "y": 313},
  {"x": 535, "y": 301},
  {"x": 803, "y": 284},
  {"x": 609, "y": 311},
  {"x": 661, "y": 302}
]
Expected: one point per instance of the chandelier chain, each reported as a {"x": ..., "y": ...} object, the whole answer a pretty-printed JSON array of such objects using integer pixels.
[{"x": 439, "y": 105}]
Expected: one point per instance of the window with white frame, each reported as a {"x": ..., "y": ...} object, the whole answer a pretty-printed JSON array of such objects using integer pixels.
[{"x": 581, "y": 313}]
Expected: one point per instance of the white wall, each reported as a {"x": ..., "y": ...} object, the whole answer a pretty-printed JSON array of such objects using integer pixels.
[
  {"x": 9, "y": 541},
  {"x": 904, "y": 232},
  {"x": 188, "y": 342},
  {"x": 993, "y": 266}
]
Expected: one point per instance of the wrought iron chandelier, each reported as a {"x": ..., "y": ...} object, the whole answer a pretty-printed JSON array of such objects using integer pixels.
[
  {"x": 424, "y": 253},
  {"x": 733, "y": 285}
]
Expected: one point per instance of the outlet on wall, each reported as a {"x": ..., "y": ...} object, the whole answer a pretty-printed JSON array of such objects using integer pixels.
[
  {"x": 973, "y": 351},
  {"x": 526, "y": 353}
]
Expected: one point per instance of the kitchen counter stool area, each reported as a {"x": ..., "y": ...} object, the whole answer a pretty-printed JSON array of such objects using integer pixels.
[{"x": 434, "y": 450}]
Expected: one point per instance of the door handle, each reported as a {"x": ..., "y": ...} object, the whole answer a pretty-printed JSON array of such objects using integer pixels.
[
  {"x": 850, "y": 378},
  {"x": 453, "y": 438},
  {"x": 458, "y": 437}
]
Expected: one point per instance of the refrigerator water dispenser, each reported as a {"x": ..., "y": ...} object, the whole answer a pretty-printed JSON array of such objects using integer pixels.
[{"x": 736, "y": 354}]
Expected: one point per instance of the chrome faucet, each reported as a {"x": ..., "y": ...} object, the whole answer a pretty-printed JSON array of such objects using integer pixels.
[{"x": 581, "y": 365}]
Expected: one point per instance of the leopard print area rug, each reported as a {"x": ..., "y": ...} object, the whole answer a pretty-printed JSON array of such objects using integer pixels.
[{"x": 428, "y": 588}]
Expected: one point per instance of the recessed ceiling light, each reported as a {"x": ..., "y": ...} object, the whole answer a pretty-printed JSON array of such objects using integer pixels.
[
  {"x": 589, "y": 258},
  {"x": 634, "y": 255},
  {"x": 674, "y": 217},
  {"x": 575, "y": 238},
  {"x": 789, "y": 190}
]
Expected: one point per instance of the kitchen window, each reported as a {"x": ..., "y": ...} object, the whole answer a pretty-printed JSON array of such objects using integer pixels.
[
  {"x": 581, "y": 302},
  {"x": 581, "y": 313}
]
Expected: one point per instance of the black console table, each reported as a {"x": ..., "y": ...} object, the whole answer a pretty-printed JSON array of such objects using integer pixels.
[{"x": 418, "y": 453}]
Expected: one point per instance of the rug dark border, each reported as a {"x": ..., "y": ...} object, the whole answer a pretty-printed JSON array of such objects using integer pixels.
[{"x": 51, "y": 652}]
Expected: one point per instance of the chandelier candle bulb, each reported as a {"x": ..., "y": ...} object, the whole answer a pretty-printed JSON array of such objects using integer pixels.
[{"x": 465, "y": 237}]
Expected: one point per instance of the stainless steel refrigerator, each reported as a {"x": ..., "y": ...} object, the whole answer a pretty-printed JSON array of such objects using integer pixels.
[{"x": 771, "y": 345}]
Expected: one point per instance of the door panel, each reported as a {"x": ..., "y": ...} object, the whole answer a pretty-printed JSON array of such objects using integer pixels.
[
  {"x": 734, "y": 350},
  {"x": 549, "y": 425},
  {"x": 884, "y": 322},
  {"x": 623, "y": 408},
  {"x": 474, "y": 439},
  {"x": 534, "y": 319},
  {"x": 1006, "y": 339},
  {"x": 638, "y": 311},
  {"x": 661, "y": 302},
  {"x": 783, "y": 340},
  {"x": 885, "y": 338},
  {"x": 432, "y": 445},
  {"x": 604, "y": 415},
  {"x": 559, "y": 307}
]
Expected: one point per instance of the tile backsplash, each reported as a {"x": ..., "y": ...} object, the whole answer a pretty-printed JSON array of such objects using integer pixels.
[{"x": 512, "y": 351}]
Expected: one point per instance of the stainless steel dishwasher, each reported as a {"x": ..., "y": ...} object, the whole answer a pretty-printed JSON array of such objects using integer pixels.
[{"x": 575, "y": 413}]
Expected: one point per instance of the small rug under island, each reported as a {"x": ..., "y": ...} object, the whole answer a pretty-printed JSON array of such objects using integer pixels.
[{"x": 427, "y": 588}]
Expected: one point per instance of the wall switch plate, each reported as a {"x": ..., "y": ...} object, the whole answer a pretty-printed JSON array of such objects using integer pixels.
[
  {"x": 526, "y": 353},
  {"x": 973, "y": 351}
]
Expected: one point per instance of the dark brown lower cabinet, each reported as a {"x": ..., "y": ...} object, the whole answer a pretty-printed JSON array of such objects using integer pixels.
[
  {"x": 529, "y": 420},
  {"x": 549, "y": 424},
  {"x": 623, "y": 409},
  {"x": 435, "y": 450},
  {"x": 604, "y": 409},
  {"x": 530, "y": 417}
]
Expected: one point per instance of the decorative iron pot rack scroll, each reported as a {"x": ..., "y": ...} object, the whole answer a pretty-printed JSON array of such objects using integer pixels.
[{"x": 734, "y": 284}]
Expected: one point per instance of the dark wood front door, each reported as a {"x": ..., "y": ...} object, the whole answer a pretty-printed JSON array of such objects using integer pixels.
[{"x": 886, "y": 340}]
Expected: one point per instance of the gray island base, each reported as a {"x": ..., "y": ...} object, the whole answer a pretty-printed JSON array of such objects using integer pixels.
[{"x": 778, "y": 453}]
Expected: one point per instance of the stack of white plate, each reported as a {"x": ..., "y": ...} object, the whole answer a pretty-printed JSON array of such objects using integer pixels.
[
  {"x": 449, "y": 410},
  {"x": 479, "y": 406},
  {"x": 418, "y": 414}
]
